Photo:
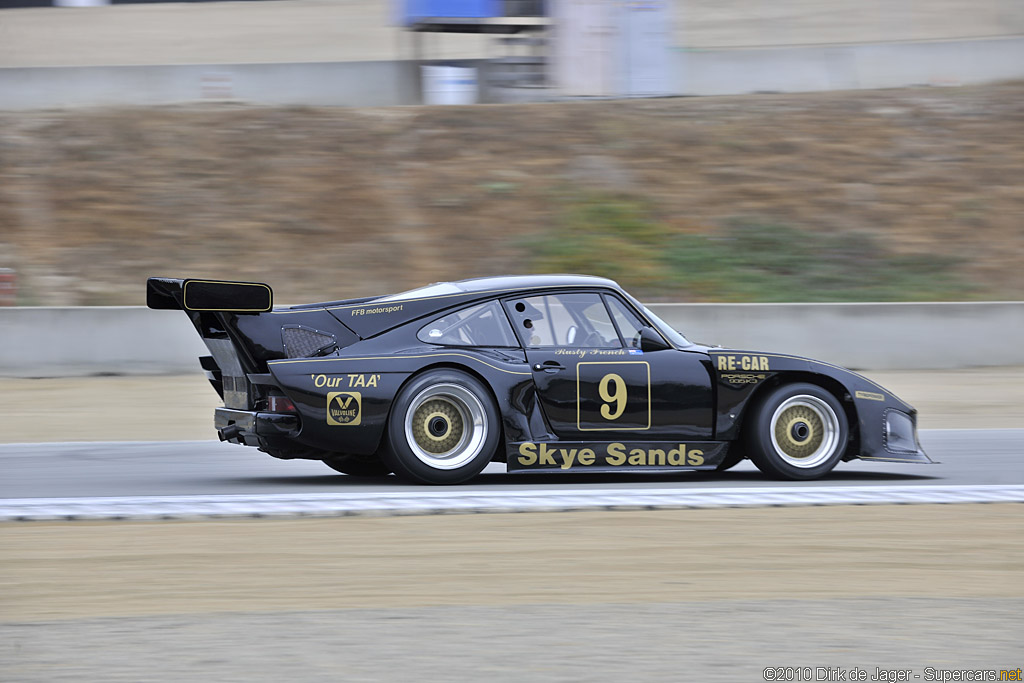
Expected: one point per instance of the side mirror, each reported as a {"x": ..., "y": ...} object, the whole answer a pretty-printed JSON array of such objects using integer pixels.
[{"x": 651, "y": 340}]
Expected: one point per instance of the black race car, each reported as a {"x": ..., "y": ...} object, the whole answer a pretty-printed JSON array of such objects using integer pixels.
[{"x": 547, "y": 373}]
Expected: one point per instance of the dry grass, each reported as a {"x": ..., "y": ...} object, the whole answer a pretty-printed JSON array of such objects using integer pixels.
[{"x": 326, "y": 203}]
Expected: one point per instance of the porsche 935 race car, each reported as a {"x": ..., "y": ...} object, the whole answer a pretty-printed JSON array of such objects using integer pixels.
[{"x": 546, "y": 373}]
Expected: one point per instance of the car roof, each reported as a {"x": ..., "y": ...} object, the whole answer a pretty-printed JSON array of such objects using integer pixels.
[
  {"x": 502, "y": 283},
  {"x": 480, "y": 284},
  {"x": 368, "y": 317}
]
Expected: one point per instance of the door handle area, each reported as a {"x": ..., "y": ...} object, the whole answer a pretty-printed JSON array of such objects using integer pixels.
[{"x": 548, "y": 366}]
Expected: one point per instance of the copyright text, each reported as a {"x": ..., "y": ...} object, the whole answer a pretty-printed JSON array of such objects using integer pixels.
[{"x": 879, "y": 674}]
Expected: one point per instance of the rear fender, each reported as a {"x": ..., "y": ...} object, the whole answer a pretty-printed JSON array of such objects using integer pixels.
[{"x": 326, "y": 390}]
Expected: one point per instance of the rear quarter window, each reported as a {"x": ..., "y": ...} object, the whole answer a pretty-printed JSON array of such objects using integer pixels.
[{"x": 480, "y": 325}]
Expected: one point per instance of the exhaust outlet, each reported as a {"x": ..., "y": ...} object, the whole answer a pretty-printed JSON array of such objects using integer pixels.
[{"x": 229, "y": 433}]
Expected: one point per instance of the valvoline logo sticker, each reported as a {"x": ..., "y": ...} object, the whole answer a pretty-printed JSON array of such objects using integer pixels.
[{"x": 344, "y": 408}]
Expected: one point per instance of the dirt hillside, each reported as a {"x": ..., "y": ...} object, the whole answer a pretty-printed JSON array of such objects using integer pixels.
[{"x": 327, "y": 203}]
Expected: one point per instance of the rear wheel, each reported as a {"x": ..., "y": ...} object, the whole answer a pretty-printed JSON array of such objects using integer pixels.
[
  {"x": 357, "y": 465},
  {"x": 799, "y": 431},
  {"x": 444, "y": 428}
]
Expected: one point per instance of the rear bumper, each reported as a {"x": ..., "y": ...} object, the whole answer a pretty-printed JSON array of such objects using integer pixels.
[{"x": 253, "y": 428}]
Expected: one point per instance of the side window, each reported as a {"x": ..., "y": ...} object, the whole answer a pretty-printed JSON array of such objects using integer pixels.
[
  {"x": 481, "y": 325},
  {"x": 629, "y": 324},
  {"x": 564, "y": 320}
]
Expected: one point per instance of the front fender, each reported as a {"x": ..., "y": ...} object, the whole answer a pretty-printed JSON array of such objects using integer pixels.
[{"x": 886, "y": 425}]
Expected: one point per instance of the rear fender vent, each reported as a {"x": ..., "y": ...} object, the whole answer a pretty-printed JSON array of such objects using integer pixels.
[{"x": 305, "y": 342}]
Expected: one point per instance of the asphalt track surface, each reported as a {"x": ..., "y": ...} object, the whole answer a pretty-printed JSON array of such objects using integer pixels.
[
  {"x": 68, "y": 470},
  {"x": 579, "y": 596}
]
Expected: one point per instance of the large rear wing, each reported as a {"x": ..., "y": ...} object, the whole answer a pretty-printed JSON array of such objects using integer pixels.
[{"x": 208, "y": 295}]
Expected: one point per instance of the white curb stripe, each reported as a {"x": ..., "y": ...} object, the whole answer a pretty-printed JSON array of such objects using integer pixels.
[{"x": 441, "y": 502}]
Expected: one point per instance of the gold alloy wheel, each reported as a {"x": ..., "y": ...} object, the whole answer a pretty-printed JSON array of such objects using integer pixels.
[
  {"x": 437, "y": 426},
  {"x": 446, "y": 426},
  {"x": 805, "y": 431}
]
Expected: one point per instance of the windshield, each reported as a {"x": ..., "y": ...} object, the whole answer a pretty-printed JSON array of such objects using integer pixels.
[
  {"x": 674, "y": 337},
  {"x": 436, "y": 289}
]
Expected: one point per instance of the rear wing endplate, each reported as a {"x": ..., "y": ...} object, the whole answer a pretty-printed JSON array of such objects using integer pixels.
[{"x": 208, "y": 295}]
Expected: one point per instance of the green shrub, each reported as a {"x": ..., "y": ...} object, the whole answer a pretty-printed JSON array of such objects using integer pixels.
[{"x": 742, "y": 260}]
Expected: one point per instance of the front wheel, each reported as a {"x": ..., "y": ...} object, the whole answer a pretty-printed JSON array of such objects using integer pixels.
[
  {"x": 799, "y": 431},
  {"x": 444, "y": 428}
]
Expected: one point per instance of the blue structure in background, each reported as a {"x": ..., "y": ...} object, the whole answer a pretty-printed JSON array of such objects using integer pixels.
[
  {"x": 514, "y": 23},
  {"x": 465, "y": 16},
  {"x": 412, "y": 11}
]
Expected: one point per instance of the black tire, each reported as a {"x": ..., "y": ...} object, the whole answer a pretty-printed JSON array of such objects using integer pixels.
[
  {"x": 357, "y": 465},
  {"x": 444, "y": 428},
  {"x": 798, "y": 432}
]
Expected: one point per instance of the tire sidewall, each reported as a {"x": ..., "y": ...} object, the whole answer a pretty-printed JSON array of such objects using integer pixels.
[
  {"x": 759, "y": 437},
  {"x": 400, "y": 457}
]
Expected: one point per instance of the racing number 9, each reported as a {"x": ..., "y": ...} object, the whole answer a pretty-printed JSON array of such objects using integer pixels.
[
  {"x": 612, "y": 389},
  {"x": 613, "y": 396}
]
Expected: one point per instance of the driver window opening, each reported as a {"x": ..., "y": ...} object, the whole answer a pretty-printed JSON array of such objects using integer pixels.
[{"x": 575, "y": 320}]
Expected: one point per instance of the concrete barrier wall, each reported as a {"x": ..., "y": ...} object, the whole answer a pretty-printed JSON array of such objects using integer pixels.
[
  {"x": 55, "y": 342},
  {"x": 357, "y": 84},
  {"x": 865, "y": 336},
  {"x": 384, "y": 83},
  {"x": 65, "y": 342},
  {"x": 849, "y": 67}
]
